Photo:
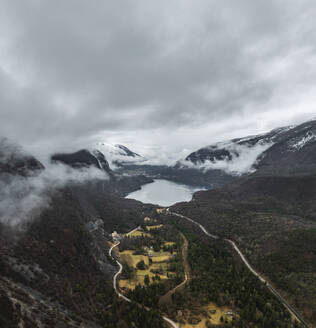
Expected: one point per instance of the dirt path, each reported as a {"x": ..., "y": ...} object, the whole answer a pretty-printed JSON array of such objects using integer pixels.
[
  {"x": 169, "y": 321},
  {"x": 187, "y": 273}
]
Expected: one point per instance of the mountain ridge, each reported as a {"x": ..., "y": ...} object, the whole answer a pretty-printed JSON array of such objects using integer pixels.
[{"x": 273, "y": 146}]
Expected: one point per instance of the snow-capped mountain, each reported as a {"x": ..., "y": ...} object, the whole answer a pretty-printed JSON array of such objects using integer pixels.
[
  {"x": 117, "y": 155},
  {"x": 104, "y": 156},
  {"x": 285, "y": 150}
]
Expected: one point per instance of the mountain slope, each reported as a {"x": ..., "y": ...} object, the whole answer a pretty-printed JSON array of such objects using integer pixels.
[
  {"x": 283, "y": 151},
  {"x": 287, "y": 150},
  {"x": 272, "y": 219},
  {"x": 54, "y": 264},
  {"x": 293, "y": 153},
  {"x": 117, "y": 155},
  {"x": 13, "y": 159},
  {"x": 117, "y": 183},
  {"x": 83, "y": 158}
]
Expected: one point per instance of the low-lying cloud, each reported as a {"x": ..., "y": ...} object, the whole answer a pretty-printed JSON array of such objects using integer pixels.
[
  {"x": 244, "y": 158},
  {"x": 23, "y": 198}
]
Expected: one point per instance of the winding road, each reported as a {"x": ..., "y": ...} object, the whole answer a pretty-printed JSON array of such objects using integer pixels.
[
  {"x": 169, "y": 321},
  {"x": 117, "y": 274},
  {"x": 251, "y": 269},
  {"x": 187, "y": 273}
]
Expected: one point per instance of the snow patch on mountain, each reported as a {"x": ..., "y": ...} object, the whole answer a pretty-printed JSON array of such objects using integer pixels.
[
  {"x": 96, "y": 157},
  {"x": 242, "y": 161},
  {"x": 299, "y": 143},
  {"x": 117, "y": 154}
]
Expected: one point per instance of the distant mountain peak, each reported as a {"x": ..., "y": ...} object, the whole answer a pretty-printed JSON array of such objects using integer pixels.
[
  {"x": 286, "y": 150},
  {"x": 117, "y": 155},
  {"x": 127, "y": 151}
]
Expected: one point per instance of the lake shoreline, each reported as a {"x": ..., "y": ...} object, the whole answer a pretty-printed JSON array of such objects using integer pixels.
[{"x": 163, "y": 192}]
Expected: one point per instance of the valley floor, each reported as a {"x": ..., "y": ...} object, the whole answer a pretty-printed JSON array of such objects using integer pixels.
[{"x": 205, "y": 297}]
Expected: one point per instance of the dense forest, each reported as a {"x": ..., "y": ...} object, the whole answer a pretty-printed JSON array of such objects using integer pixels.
[
  {"x": 219, "y": 277},
  {"x": 125, "y": 315},
  {"x": 273, "y": 222},
  {"x": 150, "y": 293}
]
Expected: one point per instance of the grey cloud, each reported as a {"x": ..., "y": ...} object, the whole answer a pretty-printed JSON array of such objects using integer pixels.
[
  {"x": 23, "y": 198},
  {"x": 74, "y": 71}
]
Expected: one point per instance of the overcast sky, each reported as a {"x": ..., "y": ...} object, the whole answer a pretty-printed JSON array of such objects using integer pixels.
[{"x": 158, "y": 76}]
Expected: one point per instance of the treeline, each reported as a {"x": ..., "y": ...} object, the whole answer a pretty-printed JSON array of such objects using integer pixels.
[
  {"x": 126, "y": 315},
  {"x": 135, "y": 243},
  {"x": 148, "y": 295},
  {"x": 156, "y": 240},
  {"x": 292, "y": 267},
  {"x": 217, "y": 278},
  {"x": 277, "y": 236}
]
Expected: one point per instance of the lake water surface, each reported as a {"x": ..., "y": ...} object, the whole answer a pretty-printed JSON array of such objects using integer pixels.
[{"x": 163, "y": 193}]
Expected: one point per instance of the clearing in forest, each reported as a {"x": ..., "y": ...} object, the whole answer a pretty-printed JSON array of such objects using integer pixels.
[
  {"x": 155, "y": 263},
  {"x": 209, "y": 314},
  {"x": 158, "y": 226}
]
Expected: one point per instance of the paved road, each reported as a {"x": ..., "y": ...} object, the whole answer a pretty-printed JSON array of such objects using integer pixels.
[
  {"x": 251, "y": 269},
  {"x": 117, "y": 274},
  {"x": 169, "y": 321}
]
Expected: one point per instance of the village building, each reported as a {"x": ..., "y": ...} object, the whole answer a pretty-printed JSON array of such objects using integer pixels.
[{"x": 115, "y": 236}]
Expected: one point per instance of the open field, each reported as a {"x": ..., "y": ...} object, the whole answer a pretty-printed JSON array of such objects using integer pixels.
[
  {"x": 159, "y": 257},
  {"x": 138, "y": 233},
  {"x": 156, "y": 261},
  {"x": 208, "y": 315},
  {"x": 169, "y": 243},
  {"x": 139, "y": 279},
  {"x": 158, "y": 266},
  {"x": 132, "y": 259},
  {"x": 158, "y": 226}
]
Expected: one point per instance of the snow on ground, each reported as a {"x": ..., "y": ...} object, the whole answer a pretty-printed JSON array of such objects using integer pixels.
[
  {"x": 299, "y": 143},
  {"x": 117, "y": 154}
]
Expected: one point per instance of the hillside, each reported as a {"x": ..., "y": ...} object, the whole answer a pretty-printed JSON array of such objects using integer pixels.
[
  {"x": 273, "y": 220},
  {"x": 13, "y": 159},
  {"x": 281, "y": 151},
  {"x": 54, "y": 264},
  {"x": 117, "y": 155}
]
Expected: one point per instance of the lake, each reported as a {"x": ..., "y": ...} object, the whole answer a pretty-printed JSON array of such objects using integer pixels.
[{"x": 163, "y": 193}]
